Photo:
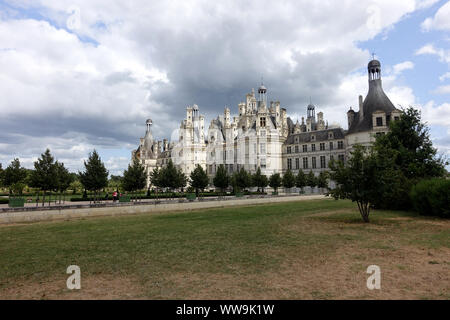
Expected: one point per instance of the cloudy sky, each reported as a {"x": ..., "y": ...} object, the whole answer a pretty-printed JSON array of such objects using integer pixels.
[{"x": 78, "y": 75}]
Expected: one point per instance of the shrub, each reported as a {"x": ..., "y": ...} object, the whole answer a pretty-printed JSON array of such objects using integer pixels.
[{"x": 431, "y": 197}]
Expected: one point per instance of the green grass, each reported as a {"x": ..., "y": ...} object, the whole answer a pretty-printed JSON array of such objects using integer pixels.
[{"x": 230, "y": 241}]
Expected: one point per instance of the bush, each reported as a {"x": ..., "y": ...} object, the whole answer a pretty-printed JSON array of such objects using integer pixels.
[
  {"x": 4, "y": 201},
  {"x": 432, "y": 197}
]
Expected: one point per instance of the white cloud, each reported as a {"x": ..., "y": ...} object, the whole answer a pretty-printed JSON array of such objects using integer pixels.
[
  {"x": 440, "y": 21},
  {"x": 400, "y": 67},
  {"x": 444, "y": 55},
  {"x": 444, "y": 76},
  {"x": 436, "y": 115},
  {"x": 442, "y": 90}
]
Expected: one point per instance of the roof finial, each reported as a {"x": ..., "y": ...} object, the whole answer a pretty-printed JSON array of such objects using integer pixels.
[{"x": 373, "y": 55}]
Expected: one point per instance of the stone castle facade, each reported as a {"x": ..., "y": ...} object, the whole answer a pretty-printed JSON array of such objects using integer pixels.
[{"x": 262, "y": 135}]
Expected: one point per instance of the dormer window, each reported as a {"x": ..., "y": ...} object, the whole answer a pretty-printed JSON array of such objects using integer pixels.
[
  {"x": 313, "y": 137},
  {"x": 379, "y": 121}
]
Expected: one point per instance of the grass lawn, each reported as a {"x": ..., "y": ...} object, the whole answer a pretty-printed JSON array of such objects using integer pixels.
[{"x": 317, "y": 249}]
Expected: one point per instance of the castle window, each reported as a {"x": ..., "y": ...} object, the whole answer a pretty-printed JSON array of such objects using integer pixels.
[
  {"x": 313, "y": 138},
  {"x": 289, "y": 164},
  {"x": 340, "y": 144},
  {"x": 289, "y": 149},
  {"x": 263, "y": 163},
  {"x": 305, "y": 148},
  {"x": 388, "y": 119},
  {"x": 331, "y": 145},
  {"x": 341, "y": 157},
  {"x": 296, "y": 149},
  {"x": 396, "y": 118},
  {"x": 379, "y": 121},
  {"x": 313, "y": 147},
  {"x": 262, "y": 122},
  {"x": 322, "y": 146},
  {"x": 262, "y": 147},
  {"x": 305, "y": 163},
  {"x": 313, "y": 162},
  {"x": 322, "y": 162},
  {"x": 297, "y": 163}
]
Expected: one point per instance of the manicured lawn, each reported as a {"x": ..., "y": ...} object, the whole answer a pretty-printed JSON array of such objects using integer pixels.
[{"x": 308, "y": 249}]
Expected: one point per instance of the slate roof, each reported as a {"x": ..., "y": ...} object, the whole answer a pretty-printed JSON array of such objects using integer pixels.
[{"x": 320, "y": 136}]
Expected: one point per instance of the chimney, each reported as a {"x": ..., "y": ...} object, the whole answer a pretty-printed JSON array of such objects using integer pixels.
[{"x": 350, "y": 117}]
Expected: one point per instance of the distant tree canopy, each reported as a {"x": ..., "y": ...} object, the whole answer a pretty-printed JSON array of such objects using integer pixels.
[
  {"x": 300, "y": 180},
  {"x": 275, "y": 181},
  {"x": 311, "y": 180},
  {"x": 134, "y": 177},
  {"x": 322, "y": 180},
  {"x": 95, "y": 176},
  {"x": 14, "y": 177},
  {"x": 198, "y": 179},
  {"x": 221, "y": 179},
  {"x": 1, "y": 176},
  {"x": 260, "y": 180},
  {"x": 241, "y": 180},
  {"x": 288, "y": 179}
]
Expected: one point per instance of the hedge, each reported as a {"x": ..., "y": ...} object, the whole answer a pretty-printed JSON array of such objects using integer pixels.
[
  {"x": 4, "y": 200},
  {"x": 431, "y": 197}
]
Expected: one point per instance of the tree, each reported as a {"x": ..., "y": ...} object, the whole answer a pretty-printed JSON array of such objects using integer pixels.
[
  {"x": 199, "y": 179},
  {"x": 260, "y": 180},
  {"x": 300, "y": 180},
  {"x": 63, "y": 178},
  {"x": 134, "y": 177},
  {"x": 275, "y": 181},
  {"x": 406, "y": 151},
  {"x": 242, "y": 179},
  {"x": 14, "y": 177},
  {"x": 221, "y": 179},
  {"x": 358, "y": 180},
  {"x": 311, "y": 180},
  {"x": 115, "y": 181},
  {"x": 182, "y": 180},
  {"x": 169, "y": 176},
  {"x": 288, "y": 180},
  {"x": 322, "y": 180},
  {"x": 44, "y": 175},
  {"x": 95, "y": 176},
  {"x": 156, "y": 180},
  {"x": 1, "y": 176}
]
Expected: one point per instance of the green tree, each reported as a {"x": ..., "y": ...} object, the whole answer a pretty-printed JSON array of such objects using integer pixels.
[
  {"x": 300, "y": 180},
  {"x": 311, "y": 180},
  {"x": 275, "y": 181},
  {"x": 242, "y": 179},
  {"x": 182, "y": 180},
  {"x": 406, "y": 151},
  {"x": 156, "y": 179},
  {"x": 63, "y": 179},
  {"x": 134, "y": 177},
  {"x": 169, "y": 176},
  {"x": 260, "y": 180},
  {"x": 221, "y": 179},
  {"x": 358, "y": 180},
  {"x": 44, "y": 175},
  {"x": 14, "y": 177},
  {"x": 199, "y": 179},
  {"x": 95, "y": 176},
  {"x": 1, "y": 176},
  {"x": 288, "y": 180},
  {"x": 322, "y": 180}
]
